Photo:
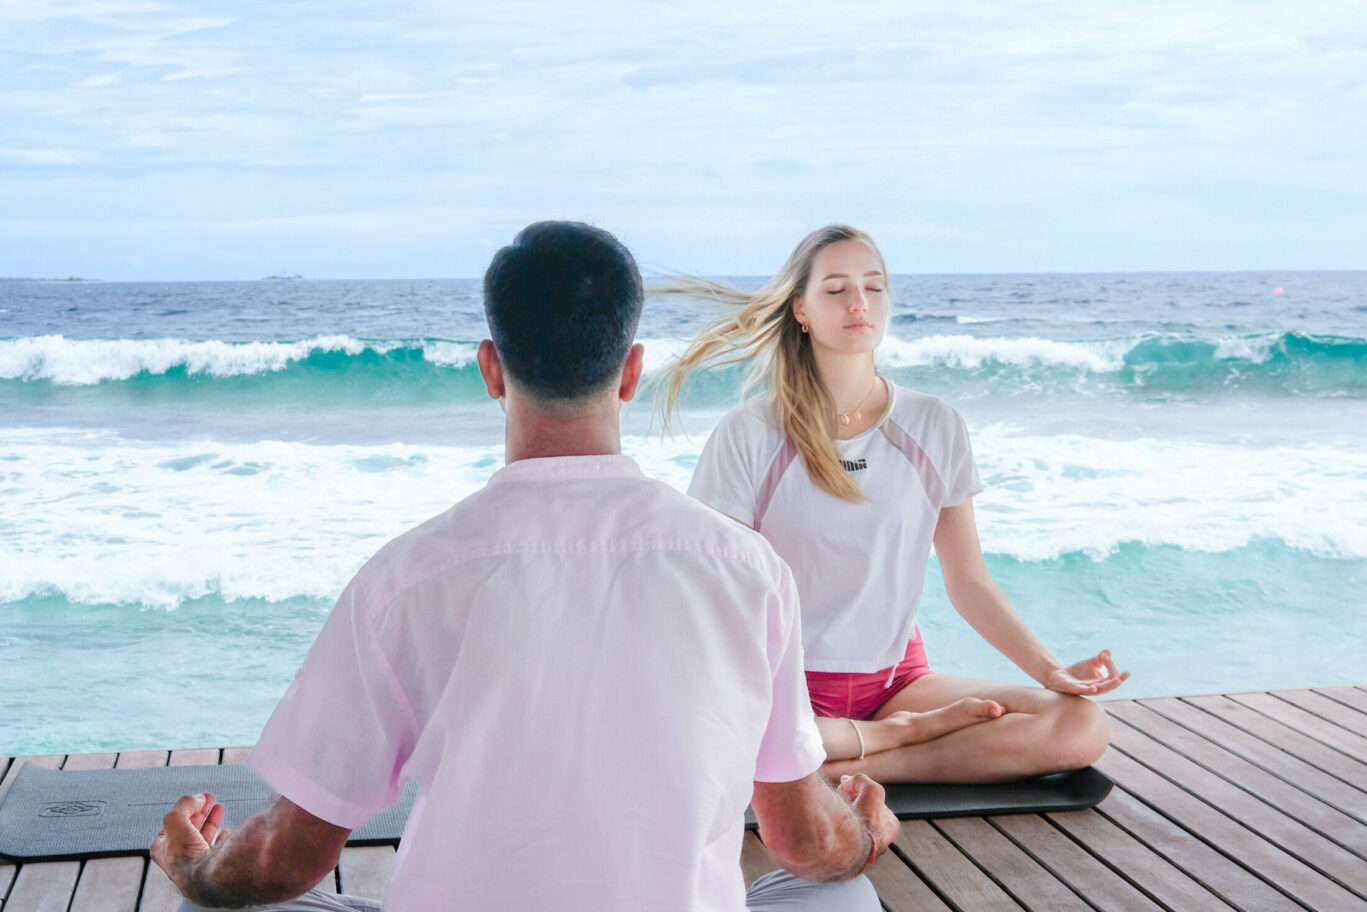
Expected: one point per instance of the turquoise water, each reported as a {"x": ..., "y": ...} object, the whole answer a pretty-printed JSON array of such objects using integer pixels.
[{"x": 190, "y": 472}]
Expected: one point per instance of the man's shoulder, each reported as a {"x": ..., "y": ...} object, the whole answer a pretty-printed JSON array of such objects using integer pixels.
[{"x": 623, "y": 513}]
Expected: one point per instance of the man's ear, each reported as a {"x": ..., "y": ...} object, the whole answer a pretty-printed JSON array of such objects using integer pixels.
[
  {"x": 491, "y": 369},
  {"x": 631, "y": 372}
]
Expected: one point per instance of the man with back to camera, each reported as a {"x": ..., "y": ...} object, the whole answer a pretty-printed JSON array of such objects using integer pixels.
[{"x": 587, "y": 672}]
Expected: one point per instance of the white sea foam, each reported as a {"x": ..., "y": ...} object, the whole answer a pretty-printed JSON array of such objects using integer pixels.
[
  {"x": 102, "y": 519},
  {"x": 1257, "y": 349},
  {"x": 1054, "y": 495},
  {"x": 970, "y": 352},
  {"x": 451, "y": 354},
  {"x": 660, "y": 352},
  {"x": 85, "y": 362}
]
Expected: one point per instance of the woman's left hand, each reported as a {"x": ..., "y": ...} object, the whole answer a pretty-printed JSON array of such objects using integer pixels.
[{"x": 1089, "y": 677}]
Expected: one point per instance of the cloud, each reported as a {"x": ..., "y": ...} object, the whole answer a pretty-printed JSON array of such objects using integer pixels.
[
  {"x": 957, "y": 126},
  {"x": 42, "y": 156}
]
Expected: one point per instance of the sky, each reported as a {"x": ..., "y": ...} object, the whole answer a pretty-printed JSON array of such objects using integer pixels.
[{"x": 337, "y": 139}]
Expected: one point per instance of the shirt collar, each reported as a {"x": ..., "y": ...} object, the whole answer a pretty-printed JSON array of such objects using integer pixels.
[{"x": 568, "y": 468}]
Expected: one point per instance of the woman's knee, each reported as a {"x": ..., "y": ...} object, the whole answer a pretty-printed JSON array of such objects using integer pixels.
[{"x": 1080, "y": 732}]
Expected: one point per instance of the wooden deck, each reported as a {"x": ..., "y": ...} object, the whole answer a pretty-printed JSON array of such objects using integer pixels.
[{"x": 1245, "y": 801}]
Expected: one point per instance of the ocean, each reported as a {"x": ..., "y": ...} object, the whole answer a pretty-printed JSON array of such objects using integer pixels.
[{"x": 1176, "y": 469}]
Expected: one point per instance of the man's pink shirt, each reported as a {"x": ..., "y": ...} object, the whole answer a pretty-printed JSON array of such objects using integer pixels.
[{"x": 585, "y": 670}]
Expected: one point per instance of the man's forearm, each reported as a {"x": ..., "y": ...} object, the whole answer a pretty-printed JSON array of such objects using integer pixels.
[
  {"x": 820, "y": 837},
  {"x": 255, "y": 864}
]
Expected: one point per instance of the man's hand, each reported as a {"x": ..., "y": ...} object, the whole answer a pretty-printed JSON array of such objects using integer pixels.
[
  {"x": 188, "y": 833},
  {"x": 867, "y": 798},
  {"x": 1089, "y": 677}
]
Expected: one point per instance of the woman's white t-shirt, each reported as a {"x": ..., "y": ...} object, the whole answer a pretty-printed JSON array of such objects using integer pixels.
[{"x": 859, "y": 568}]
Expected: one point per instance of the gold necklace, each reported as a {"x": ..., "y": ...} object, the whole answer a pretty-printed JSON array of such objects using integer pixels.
[{"x": 844, "y": 417}]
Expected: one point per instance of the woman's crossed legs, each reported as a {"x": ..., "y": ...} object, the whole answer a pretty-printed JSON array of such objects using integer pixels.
[{"x": 958, "y": 735}]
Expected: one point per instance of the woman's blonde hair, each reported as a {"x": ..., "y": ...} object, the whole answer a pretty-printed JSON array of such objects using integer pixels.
[{"x": 777, "y": 354}]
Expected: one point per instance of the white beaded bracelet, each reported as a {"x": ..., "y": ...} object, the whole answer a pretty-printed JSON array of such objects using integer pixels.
[{"x": 860, "y": 735}]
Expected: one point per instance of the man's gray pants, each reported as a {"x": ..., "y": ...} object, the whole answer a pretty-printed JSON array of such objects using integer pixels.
[{"x": 777, "y": 891}]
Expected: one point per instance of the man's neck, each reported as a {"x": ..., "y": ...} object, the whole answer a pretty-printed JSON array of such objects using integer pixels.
[{"x": 534, "y": 433}]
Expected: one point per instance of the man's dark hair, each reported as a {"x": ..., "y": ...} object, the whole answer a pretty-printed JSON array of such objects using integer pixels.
[{"x": 562, "y": 303}]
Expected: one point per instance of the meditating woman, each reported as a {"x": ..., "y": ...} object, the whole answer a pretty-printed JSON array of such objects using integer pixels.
[{"x": 852, "y": 479}]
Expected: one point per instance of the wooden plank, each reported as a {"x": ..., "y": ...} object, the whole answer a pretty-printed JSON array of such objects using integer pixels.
[
  {"x": 365, "y": 870},
  {"x": 158, "y": 893},
  {"x": 51, "y": 761},
  {"x": 1246, "y": 807},
  {"x": 109, "y": 885},
  {"x": 7, "y": 874},
  {"x": 1280, "y": 869},
  {"x": 1133, "y": 862},
  {"x": 1292, "y": 770},
  {"x": 1348, "y": 696},
  {"x": 1327, "y": 821},
  {"x": 89, "y": 761},
  {"x": 141, "y": 759},
  {"x": 1015, "y": 871},
  {"x": 105, "y": 884},
  {"x": 16, "y": 890},
  {"x": 43, "y": 886},
  {"x": 901, "y": 889},
  {"x": 198, "y": 756},
  {"x": 755, "y": 860},
  {"x": 1340, "y": 739},
  {"x": 1296, "y": 743},
  {"x": 1218, "y": 874},
  {"x": 953, "y": 876},
  {"x": 1065, "y": 860},
  {"x": 235, "y": 754},
  {"x": 1323, "y": 707}
]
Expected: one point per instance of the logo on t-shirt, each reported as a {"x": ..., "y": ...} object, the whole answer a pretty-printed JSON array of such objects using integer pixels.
[{"x": 854, "y": 465}]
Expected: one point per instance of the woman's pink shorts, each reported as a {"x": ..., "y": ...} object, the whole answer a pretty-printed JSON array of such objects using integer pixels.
[{"x": 841, "y": 695}]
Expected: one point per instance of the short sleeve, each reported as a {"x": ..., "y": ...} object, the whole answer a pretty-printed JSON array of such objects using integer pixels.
[
  {"x": 725, "y": 477},
  {"x": 791, "y": 748},
  {"x": 337, "y": 741},
  {"x": 961, "y": 472}
]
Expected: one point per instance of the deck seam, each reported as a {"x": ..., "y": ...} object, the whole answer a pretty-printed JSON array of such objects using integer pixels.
[
  {"x": 1327, "y": 836},
  {"x": 1323, "y": 692},
  {"x": 1194, "y": 875},
  {"x": 925, "y": 878},
  {"x": 1299, "y": 734},
  {"x": 1323, "y": 718},
  {"x": 1041, "y": 862},
  {"x": 1260, "y": 836},
  {"x": 1313, "y": 716},
  {"x": 1239, "y": 752},
  {"x": 964, "y": 851},
  {"x": 1120, "y": 872}
]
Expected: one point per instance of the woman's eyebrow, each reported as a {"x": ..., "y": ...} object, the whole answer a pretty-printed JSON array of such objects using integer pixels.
[{"x": 845, "y": 275}]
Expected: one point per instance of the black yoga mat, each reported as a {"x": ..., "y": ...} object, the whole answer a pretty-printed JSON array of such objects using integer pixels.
[
  {"x": 51, "y": 815},
  {"x": 1070, "y": 791},
  {"x": 65, "y": 814}
]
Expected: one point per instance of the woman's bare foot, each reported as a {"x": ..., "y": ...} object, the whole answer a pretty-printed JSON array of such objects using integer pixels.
[{"x": 914, "y": 728}]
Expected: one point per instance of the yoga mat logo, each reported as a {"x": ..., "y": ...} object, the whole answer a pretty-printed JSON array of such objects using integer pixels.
[{"x": 72, "y": 809}]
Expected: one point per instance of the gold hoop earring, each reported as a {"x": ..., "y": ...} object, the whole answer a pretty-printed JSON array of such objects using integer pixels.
[{"x": 805, "y": 330}]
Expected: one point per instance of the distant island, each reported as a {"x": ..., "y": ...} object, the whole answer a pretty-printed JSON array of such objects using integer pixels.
[
  {"x": 282, "y": 277},
  {"x": 32, "y": 279}
]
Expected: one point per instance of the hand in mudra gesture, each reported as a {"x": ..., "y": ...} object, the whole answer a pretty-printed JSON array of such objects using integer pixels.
[{"x": 1089, "y": 677}]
